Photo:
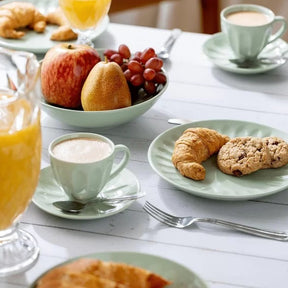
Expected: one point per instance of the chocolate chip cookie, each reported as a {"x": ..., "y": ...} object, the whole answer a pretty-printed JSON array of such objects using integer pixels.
[
  {"x": 243, "y": 155},
  {"x": 278, "y": 150}
]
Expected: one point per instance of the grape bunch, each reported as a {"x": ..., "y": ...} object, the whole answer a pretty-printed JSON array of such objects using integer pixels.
[{"x": 143, "y": 70}]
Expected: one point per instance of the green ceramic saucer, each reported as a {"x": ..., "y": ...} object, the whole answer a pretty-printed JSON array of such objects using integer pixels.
[
  {"x": 217, "y": 49},
  {"x": 48, "y": 192}
]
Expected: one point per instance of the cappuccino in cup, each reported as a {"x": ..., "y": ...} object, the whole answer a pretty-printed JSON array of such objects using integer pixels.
[
  {"x": 248, "y": 18},
  {"x": 249, "y": 29},
  {"x": 83, "y": 163},
  {"x": 82, "y": 150}
]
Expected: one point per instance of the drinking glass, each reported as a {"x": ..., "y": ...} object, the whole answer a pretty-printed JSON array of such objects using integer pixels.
[
  {"x": 20, "y": 154},
  {"x": 84, "y": 16}
]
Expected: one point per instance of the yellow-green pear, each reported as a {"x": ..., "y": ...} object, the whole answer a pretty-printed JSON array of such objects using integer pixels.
[{"x": 105, "y": 88}]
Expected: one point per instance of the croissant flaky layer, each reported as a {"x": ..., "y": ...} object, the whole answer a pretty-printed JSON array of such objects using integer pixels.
[
  {"x": 93, "y": 273},
  {"x": 17, "y": 15},
  {"x": 64, "y": 31},
  {"x": 193, "y": 147}
]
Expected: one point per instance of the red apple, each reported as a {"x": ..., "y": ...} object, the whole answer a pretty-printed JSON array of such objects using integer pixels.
[{"x": 64, "y": 70}]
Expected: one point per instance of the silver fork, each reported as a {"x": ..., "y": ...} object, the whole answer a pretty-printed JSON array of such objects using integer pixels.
[{"x": 182, "y": 222}]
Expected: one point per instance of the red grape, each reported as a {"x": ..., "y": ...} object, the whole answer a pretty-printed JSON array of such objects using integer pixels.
[
  {"x": 154, "y": 63},
  {"x": 124, "y": 51},
  {"x": 136, "y": 59},
  {"x": 135, "y": 66},
  {"x": 160, "y": 78},
  {"x": 128, "y": 74},
  {"x": 137, "y": 80},
  {"x": 138, "y": 54},
  {"x": 147, "y": 54},
  {"x": 142, "y": 70},
  {"x": 117, "y": 58},
  {"x": 149, "y": 74},
  {"x": 150, "y": 87},
  {"x": 109, "y": 52},
  {"x": 124, "y": 67}
]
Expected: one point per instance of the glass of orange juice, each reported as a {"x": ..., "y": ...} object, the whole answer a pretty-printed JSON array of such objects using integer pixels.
[
  {"x": 20, "y": 155},
  {"x": 84, "y": 16}
]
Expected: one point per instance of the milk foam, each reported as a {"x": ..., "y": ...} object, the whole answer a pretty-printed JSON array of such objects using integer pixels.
[
  {"x": 82, "y": 150},
  {"x": 248, "y": 18}
]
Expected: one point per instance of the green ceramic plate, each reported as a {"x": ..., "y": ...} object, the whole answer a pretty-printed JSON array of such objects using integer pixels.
[
  {"x": 40, "y": 42},
  {"x": 48, "y": 192},
  {"x": 181, "y": 276},
  {"x": 218, "y": 185},
  {"x": 219, "y": 52}
]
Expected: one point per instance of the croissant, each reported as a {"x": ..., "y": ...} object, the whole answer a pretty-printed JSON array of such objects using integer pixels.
[
  {"x": 20, "y": 15},
  {"x": 64, "y": 31},
  {"x": 95, "y": 273},
  {"x": 193, "y": 147}
]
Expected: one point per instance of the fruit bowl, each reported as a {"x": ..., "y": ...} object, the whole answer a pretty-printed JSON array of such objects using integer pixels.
[{"x": 103, "y": 119}]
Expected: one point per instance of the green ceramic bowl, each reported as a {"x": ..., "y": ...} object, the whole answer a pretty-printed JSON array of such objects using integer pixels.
[{"x": 101, "y": 119}]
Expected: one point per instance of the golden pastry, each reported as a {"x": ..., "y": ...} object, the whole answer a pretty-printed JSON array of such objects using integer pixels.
[
  {"x": 64, "y": 31},
  {"x": 17, "y": 15},
  {"x": 193, "y": 147},
  {"x": 94, "y": 273}
]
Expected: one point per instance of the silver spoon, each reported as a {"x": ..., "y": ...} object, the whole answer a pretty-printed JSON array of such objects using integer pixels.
[
  {"x": 242, "y": 63},
  {"x": 274, "y": 60},
  {"x": 164, "y": 51},
  {"x": 70, "y": 206}
]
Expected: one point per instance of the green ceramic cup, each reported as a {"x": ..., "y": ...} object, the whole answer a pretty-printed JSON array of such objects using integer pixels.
[
  {"x": 82, "y": 168},
  {"x": 250, "y": 28}
]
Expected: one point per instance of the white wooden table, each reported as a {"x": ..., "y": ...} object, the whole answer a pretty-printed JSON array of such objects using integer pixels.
[{"x": 197, "y": 91}]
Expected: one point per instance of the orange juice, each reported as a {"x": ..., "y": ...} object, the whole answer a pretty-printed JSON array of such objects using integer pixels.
[
  {"x": 84, "y": 14},
  {"x": 20, "y": 154}
]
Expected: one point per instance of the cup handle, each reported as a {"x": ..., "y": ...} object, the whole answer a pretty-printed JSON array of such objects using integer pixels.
[
  {"x": 281, "y": 30},
  {"x": 121, "y": 165}
]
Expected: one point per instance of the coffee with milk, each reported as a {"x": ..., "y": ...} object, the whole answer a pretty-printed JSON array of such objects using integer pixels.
[
  {"x": 83, "y": 163},
  {"x": 82, "y": 150},
  {"x": 249, "y": 29},
  {"x": 248, "y": 18}
]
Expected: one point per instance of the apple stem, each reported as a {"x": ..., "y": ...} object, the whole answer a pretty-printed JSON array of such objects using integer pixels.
[
  {"x": 105, "y": 59},
  {"x": 70, "y": 46}
]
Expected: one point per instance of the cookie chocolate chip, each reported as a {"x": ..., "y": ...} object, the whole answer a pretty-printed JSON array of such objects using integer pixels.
[{"x": 245, "y": 155}]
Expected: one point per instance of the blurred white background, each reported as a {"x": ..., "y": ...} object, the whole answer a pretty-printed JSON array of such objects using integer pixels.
[{"x": 186, "y": 14}]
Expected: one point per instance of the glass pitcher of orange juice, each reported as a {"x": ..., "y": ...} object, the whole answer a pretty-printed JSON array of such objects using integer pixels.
[{"x": 20, "y": 154}]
